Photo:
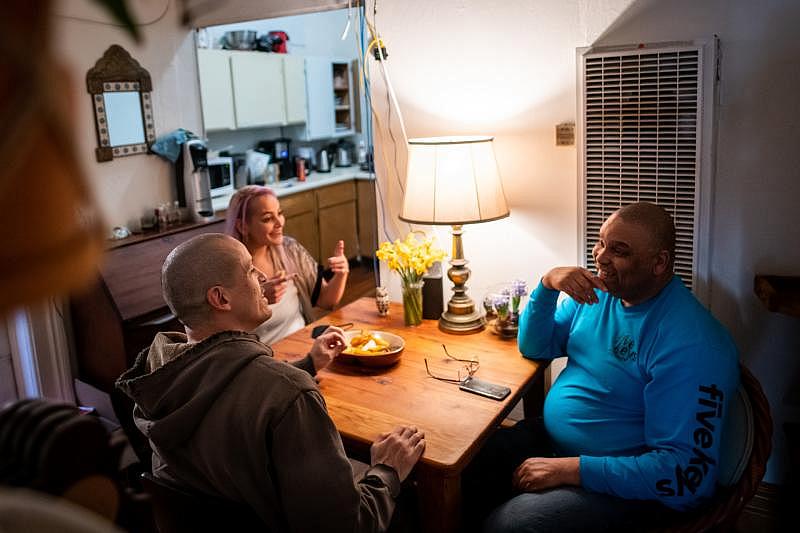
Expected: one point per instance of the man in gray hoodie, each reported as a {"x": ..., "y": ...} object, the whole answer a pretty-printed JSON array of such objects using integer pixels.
[{"x": 227, "y": 419}]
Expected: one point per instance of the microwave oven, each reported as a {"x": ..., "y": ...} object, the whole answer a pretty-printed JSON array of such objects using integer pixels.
[{"x": 220, "y": 175}]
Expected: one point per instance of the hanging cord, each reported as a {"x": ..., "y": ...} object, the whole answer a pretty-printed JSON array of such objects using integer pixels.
[
  {"x": 116, "y": 24},
  {"x": 382, "y": 194}
]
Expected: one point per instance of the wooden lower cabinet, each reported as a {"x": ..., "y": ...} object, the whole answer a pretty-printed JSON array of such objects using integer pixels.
[
  {"x": 320, "y": 217},
  {"x": 367, "y": 218},
  {"x": 300, "y": 211},
  {"x": 303, "y": 227},
  {"x": 335, "y": 223}
]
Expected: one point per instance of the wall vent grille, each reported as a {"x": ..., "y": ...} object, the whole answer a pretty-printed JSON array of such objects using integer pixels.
[{"x": 641, "y": 140}]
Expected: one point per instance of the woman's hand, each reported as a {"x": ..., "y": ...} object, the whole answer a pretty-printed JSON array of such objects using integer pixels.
[
  {"x": 338, "y": 262},
  {"x": 275, "y": 287}
]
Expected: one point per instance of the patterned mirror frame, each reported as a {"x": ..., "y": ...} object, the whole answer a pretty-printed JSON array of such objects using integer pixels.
[{"x": 117, "y": 71}]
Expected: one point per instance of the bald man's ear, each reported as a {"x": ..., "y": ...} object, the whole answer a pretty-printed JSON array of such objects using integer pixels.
[
  {"x": 217, "y": 299},
  {"x": 661, "y": 263}
]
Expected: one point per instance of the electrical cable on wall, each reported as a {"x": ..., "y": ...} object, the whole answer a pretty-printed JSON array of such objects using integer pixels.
[
  {"x": 118, "y": 25},
  {"x": 365, "y": 76},
  {"x": 380, "y": 55}
]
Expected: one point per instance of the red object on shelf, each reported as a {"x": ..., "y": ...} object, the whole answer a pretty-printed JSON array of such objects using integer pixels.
[{"x": 279, "y": 39}]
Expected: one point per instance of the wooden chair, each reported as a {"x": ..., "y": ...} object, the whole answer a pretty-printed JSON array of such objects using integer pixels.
[
  {"x": 179, "y": 510},
  {"x": 751, "y": 414}
]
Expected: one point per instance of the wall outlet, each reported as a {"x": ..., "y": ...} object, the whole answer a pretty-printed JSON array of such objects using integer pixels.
[{"x": 565, "y": 134}]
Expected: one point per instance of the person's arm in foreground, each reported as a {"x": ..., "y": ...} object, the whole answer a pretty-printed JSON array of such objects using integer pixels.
[{"x": 316, "y": 479}]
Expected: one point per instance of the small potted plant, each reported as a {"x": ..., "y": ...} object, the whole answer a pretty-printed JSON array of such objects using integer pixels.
[{"x": 506, "y": 307}]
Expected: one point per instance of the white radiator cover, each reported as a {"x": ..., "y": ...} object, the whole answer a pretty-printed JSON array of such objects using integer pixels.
[{"x": 646, "y": 132}]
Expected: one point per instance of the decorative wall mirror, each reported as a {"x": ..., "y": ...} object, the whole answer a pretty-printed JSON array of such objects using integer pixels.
[{"x": 123, "y": 108}]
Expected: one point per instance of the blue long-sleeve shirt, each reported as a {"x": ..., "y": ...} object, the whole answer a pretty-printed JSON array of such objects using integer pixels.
[{"x": 644, "y": 393}]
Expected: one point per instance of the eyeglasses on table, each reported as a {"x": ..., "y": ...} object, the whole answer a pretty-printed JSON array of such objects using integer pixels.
[{"x": 469, "y": 369}]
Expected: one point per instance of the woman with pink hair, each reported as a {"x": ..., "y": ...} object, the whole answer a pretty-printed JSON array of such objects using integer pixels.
[{"x": 295, "y": 282}]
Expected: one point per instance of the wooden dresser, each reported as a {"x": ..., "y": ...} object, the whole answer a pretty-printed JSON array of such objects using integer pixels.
[{"x": 121, "y": 312}]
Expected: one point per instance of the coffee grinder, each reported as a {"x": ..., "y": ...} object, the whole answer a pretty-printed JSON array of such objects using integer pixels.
[{"x": 192, "y": 181}]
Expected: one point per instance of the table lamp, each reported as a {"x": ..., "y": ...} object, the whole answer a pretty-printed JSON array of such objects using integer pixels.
[{"x": 454, "y": 181}]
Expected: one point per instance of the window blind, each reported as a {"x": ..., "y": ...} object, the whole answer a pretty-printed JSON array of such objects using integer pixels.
[{"x": 641, "y": 134}]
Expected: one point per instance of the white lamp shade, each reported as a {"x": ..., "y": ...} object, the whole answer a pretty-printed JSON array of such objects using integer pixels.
[{"x": 451, "y": 181}]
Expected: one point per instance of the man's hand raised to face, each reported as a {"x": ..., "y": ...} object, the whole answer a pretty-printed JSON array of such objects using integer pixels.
[{"x": 577, "y": 282}]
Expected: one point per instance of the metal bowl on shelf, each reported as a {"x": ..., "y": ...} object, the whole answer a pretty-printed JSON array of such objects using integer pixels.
[{"x": 239, "y": 40}]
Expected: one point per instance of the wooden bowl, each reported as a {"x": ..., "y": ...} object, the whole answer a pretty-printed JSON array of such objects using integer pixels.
[{"x": 387, "y": 358}]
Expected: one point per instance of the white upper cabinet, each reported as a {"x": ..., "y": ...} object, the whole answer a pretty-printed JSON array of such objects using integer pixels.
[
  {"x": 216, "y": 91},
  {"x": 294, "y": 77},
  {"x": 251, "y": 89},
  {"x": 258, "y": 89},
  {"x": 319, "y": 87},
  {"x": 330, "y": 98}
]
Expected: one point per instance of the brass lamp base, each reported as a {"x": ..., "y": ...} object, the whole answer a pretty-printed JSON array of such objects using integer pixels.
[
  {"x": 461, "y": 316},
  {"x": 461, "y": 324}
]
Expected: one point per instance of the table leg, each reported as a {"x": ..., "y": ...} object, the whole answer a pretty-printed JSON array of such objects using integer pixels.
[
  {"x": 533, "y": 401},
  {"x": 439, "y": 500}
]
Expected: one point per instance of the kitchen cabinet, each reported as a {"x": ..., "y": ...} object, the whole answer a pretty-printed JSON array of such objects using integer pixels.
[
  {"x": 300, "y": 211},
  {"x": 342, "y": 98},
  {"x": 329, "y": 94},
  {"x": 318, "y": 218},
  {"x": 241, "y": 89},
  {"x": 294, "y": 77},
  {"x": 367, "y": 219},
  {"x": 216, "y": 91},
  {"x": 338, "y": 219},
  {"x": 259, "y": 94}
]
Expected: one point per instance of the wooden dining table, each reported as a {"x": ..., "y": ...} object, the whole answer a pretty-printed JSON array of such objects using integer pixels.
[{"x": 365, "y": 401}]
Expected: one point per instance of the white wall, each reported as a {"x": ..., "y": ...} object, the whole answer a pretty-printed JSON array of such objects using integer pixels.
[
  {"x": 508, "y": 69},
  {"x": 126, "y": 186},
  {"x": 317, "y": 34}
]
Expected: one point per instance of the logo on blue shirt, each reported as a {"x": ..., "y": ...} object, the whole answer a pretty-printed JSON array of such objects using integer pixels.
[{"x": 624, "y": 348}]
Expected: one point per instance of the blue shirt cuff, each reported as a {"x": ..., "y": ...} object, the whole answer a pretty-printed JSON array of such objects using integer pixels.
[{"x": 592, "y": 476}]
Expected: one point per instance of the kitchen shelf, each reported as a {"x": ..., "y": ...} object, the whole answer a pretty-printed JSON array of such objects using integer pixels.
[
  {"x": 342, "y": 97},
  {"x": 779, "y": 294}
]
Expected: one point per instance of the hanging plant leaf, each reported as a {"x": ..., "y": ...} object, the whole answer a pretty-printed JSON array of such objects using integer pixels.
[{"x": 119, "y": 10}]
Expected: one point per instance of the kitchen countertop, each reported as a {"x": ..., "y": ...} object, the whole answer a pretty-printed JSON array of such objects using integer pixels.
[
  {"x": 313, "y": 181},
  {"x": 220, "y": 204}
]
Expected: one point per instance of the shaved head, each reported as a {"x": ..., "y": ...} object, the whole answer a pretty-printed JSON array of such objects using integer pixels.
[
  {"x": 655, "y": 219},
  {"x": 194, "y": 267}
]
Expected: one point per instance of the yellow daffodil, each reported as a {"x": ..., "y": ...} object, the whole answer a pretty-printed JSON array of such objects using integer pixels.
[{"x": 411, "y": 257}]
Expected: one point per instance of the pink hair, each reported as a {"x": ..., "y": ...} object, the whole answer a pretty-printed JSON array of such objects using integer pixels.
[{"x": 237, "y": 208}]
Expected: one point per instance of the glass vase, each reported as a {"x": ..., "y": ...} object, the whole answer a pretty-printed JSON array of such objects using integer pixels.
[
  {"x": 412, "y": 303},
  {"x": 507, "y": 325}
]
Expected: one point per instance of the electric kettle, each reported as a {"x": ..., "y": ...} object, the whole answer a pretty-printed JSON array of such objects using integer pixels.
[
  {"x": 323, "y": 161},
  {"x": 343, "y": 158}
]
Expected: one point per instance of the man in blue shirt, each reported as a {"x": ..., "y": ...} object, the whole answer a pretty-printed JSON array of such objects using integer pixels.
[{"x": 632, "y": 425}]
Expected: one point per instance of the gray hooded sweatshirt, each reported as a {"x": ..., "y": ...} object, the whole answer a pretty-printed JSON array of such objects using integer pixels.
[{"x": 227, "y": 419}]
